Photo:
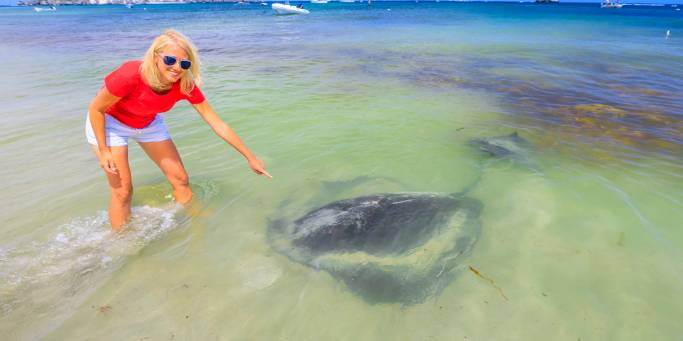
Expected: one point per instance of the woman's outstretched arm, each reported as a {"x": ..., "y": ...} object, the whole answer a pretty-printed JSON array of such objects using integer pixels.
[{"x": 226, "y": 133}]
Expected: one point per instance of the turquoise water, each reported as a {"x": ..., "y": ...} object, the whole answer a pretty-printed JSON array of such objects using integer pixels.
[{"x": 581, "y": 240}]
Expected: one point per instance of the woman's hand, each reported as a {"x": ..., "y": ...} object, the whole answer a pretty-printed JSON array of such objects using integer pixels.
[
  {"x": 107, "y": 162},
  {"x": 228, "y": 135},
  {"x": 96, "y": 110},
  {"x": 257, "y": 166}
]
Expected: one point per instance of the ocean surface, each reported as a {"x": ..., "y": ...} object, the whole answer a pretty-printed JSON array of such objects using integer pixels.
[{"x": 581, "y": 233}]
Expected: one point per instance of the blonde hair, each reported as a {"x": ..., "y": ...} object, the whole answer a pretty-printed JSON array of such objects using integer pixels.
[{"x": 150, "y": 71}]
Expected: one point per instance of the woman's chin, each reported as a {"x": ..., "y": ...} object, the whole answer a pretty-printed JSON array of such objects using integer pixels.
[{"x": 172, "y": 79}]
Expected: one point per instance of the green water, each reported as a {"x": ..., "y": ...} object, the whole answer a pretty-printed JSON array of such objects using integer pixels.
[{"x": 581, "y": 241}]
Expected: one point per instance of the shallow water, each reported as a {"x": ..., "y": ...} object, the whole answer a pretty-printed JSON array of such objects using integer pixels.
[{"x": 580, "y": 241}]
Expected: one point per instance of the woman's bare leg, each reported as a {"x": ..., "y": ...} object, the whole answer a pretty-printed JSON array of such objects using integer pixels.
[
  {"x": 120, "y": 187},
  {"x": 165, "y": 155}
]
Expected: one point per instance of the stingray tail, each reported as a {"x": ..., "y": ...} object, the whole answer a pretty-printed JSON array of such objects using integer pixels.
[{"x": 474, "y": 182}]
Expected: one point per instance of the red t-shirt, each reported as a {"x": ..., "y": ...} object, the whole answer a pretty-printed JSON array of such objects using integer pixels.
[{"x": 139, "y": 105}]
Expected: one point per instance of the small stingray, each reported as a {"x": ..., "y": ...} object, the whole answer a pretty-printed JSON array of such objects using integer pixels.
[
  {"x": 386, "y": 248},
  {"x": 511, "y": 145}
]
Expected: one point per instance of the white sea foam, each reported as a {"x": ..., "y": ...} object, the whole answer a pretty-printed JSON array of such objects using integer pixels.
[{"x": 42, "y": 280}]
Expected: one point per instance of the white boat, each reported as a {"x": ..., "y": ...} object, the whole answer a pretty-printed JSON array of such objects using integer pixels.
[
  {"x": 284, "y": 9},
  {"x": 610, "y": 4},
  {"x": 318, "y": 1},
  {"x": 347, "y": 1},
  {"x": 45, "y": 9}
]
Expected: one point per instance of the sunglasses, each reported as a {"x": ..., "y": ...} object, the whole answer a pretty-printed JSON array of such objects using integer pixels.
[{"x": 171, "y": 60}]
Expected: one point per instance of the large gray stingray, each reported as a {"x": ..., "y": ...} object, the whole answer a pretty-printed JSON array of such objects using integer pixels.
[
  {"x": 386, "y": 248},
  {"x": 392, "y": 247}
]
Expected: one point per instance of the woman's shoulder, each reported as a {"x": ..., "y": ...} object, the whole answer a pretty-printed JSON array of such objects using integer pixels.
[
  {"x": 130, "y": 66},
  {"x": 124, "y": 79}
]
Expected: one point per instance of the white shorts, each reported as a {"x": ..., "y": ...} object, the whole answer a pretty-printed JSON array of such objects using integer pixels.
[{"x": 117, "y": 133}]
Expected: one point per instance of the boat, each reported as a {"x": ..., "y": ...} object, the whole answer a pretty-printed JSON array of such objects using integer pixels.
[
  {"x": 45, "y": 9},
  {"x": 286, "y": 8},
  {"x": 318, "y": 1},
  {"x": 610, "y": 4}
]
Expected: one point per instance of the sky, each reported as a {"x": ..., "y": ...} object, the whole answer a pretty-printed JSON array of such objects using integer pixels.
[{"x": 14, "y": 2}]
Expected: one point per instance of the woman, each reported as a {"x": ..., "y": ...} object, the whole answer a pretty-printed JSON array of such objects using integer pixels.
[{"x": 128, "y": 106}]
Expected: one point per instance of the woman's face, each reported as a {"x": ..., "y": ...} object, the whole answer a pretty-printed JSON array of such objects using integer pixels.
[{"x": 171, "y": 73}]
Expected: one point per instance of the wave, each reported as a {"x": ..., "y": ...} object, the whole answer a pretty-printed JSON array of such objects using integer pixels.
[{"x": 42, "y": 281}]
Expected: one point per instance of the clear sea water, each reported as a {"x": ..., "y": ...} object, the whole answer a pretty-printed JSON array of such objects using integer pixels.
[{"x": 582, "y": 240}]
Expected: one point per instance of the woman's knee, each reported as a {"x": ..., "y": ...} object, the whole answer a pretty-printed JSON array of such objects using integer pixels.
[
  {"x": 122, "y": 194},
  {"x": 179, "y": 179}
]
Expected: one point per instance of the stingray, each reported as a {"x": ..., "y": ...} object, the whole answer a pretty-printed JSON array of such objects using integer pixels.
[
  {"x": 386, "y": 248},
  {"x": 511, "y": 145},
  {"x": 392, "y": 247}
]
